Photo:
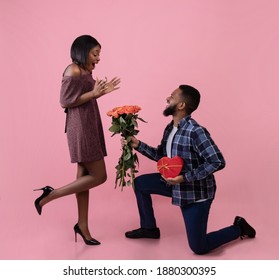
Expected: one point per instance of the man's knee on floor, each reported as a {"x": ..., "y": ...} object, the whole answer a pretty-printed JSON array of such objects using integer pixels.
[{"x": 198, "y": 249}]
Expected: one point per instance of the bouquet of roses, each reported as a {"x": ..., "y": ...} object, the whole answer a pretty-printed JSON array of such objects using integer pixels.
[{"x": 124, "y": 122}]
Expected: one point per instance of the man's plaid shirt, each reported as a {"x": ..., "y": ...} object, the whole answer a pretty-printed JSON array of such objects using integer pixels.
[{"x": 201, "y": 156}]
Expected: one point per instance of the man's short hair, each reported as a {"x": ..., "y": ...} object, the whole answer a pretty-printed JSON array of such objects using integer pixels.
[{"x": 191, "y": 97}]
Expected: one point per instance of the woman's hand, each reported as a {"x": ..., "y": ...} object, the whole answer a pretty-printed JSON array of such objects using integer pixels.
[
  {"x": 112, "y": 85},
  {"x": 103, "y": 87}
]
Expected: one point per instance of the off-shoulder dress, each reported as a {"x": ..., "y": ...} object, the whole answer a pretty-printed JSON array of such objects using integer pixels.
[{"x": 83, "y": 123}]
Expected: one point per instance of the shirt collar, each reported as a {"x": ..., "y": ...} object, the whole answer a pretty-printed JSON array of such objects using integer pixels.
[{"x": 184, "y": 121}]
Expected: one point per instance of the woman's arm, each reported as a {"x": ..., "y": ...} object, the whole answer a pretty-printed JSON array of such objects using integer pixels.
[{"x": 101, "y": 87}]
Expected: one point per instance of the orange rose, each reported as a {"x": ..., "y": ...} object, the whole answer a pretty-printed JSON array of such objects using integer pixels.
[
  {"x": 114, "y": 112},
  {"x": 126, "y": 109},
  {"x": 121, "y": 110},
  {"x": 137, "y": 108},
  {"x": 131, "y": 109}
]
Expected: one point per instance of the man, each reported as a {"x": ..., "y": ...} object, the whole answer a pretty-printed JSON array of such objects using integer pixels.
[{"x": 193, "y": 190}]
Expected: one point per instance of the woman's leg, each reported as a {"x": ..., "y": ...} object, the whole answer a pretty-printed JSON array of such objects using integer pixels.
[
  {"x": 94, "y": 176},
  {"x": 83, "y": 204}
]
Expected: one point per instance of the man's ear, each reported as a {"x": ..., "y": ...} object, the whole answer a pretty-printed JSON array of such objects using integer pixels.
[{"x": 182, "y": 106}]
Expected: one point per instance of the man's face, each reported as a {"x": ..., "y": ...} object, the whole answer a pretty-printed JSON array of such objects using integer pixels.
[{"x": 172, "y": 102}]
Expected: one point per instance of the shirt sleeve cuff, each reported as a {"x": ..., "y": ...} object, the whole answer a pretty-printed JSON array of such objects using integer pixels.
[{"x": 138, "y": 147}]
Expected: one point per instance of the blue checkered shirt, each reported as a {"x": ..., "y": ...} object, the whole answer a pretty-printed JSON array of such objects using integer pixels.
[{"x": 201, "y": 156}]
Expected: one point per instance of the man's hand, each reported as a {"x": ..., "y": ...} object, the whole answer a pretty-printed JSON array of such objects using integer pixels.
[
  {"x": 176, "y": 180},
  {"x": 134, "y": 141}
]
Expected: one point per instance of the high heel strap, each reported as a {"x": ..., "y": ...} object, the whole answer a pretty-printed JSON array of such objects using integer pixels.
[{"x": 45, "y": 189}]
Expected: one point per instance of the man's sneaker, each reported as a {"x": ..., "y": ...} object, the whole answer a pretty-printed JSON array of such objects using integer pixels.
[
  {"x": 246, "y": 229},
  {"x": 153, "y": 233}
]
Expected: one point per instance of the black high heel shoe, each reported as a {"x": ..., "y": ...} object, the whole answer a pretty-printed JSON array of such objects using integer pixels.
[
  {"x": 87, "y": 242},
  {"x": 46, "y": 191}
]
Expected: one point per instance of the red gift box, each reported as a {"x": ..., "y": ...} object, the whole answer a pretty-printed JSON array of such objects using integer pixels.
[{"x": 170, "y": 167}]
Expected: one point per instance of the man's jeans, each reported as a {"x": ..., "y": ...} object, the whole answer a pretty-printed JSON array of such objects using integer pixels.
[{"x": 195, "y": 215}]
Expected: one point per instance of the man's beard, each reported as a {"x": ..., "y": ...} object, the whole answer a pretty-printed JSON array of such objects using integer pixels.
[{"x": 169, "y": 111}]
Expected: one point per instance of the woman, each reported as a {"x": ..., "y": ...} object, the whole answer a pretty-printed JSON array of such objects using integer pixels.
[{"x": 79, "y": 93}]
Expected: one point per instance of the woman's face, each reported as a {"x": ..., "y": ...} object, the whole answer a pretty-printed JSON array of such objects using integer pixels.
[{"x": 93, "y": 58}]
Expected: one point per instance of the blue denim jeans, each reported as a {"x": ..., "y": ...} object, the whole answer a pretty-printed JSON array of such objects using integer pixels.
[{"x": 195, "y": 215}]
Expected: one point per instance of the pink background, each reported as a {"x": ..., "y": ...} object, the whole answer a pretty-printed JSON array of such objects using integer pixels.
[{"x": 227, "y": 49}]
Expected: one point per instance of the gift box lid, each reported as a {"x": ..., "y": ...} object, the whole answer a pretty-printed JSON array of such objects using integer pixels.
[{"x": 170, "y": 167}]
